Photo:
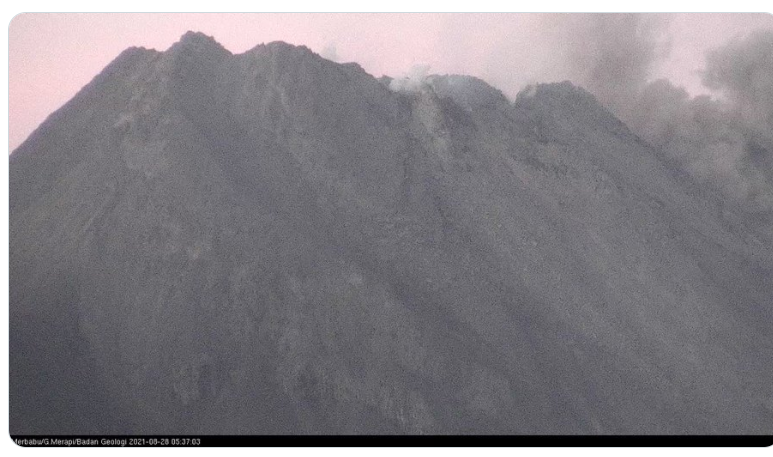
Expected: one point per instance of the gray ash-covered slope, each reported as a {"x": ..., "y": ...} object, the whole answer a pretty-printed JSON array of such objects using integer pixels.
[{"x": 271, "y": 242}]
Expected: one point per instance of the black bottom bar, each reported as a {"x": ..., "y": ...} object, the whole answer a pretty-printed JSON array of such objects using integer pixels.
[{"x": 393, "y": 441}]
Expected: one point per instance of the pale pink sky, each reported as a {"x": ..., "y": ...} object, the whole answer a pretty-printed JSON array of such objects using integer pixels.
[{"x": 51, "y": 56}]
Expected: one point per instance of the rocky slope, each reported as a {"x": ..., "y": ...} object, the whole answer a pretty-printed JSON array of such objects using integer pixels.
[{"x": 271, "y": 242}]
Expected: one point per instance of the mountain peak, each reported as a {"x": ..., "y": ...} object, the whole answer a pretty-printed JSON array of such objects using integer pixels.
[
  {"x": 281, "y": 48},
  {"x": 198, "y": 42},
  {"x": 283, "y": 45},
  {"x": 191, "y": 36},
  {"x": 564, "y": 108},
  {"x": 468, "y": 91},
  {"x": 564, "y": 92}
]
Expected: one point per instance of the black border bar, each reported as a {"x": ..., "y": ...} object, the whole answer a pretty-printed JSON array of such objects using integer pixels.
[{"x": 178, "y": 441}]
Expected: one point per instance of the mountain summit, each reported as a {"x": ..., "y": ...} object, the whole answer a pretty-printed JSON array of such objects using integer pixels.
[{"x": 269, "y": 242}]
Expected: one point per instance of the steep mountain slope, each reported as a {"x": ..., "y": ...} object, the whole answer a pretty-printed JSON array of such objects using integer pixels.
[{"x": 271, "y": 242}]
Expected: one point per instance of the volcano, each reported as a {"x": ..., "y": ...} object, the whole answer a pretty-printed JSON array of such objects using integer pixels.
[{"x": 270, "y": 242}]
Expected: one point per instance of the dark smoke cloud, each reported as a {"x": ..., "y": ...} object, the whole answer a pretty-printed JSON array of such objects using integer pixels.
[
  {"x": 612, "y": 55},
  {"x": 743, "y": 71},
  {"x": 725, "y": 141},
  {"x": 708, "y": 138}
]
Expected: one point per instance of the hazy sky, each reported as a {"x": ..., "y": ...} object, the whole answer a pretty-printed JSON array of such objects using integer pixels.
[{"x": 51, "y": 56}]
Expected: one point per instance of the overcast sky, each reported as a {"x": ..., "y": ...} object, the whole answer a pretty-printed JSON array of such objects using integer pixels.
[{"x": 51, "y": 56}]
